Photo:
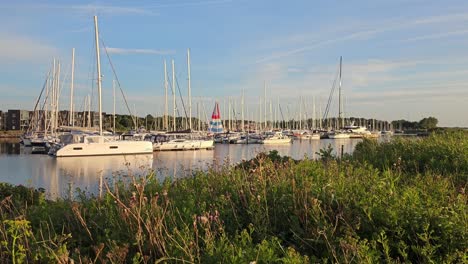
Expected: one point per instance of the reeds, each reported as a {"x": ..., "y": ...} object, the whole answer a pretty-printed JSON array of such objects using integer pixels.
[{"x": 388, "y": 202}]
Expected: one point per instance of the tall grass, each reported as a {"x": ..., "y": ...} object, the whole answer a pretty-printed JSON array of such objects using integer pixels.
[{"x": 382, "y": 204}]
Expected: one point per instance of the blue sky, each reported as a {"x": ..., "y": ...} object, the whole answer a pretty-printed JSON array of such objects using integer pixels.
[{"x": 401, "y": 58}]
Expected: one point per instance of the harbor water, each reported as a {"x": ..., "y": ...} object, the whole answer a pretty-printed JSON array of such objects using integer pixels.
[{"x": 60, "y": 177}]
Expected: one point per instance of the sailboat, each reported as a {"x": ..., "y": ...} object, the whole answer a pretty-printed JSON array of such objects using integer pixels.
[
  {"x": 276, "y": 138},
  {"x": 181, "y": 140},
  {"x": 216, "y": 126},
  {"x": 99, "y": 145},
  {"x": 339, "y": 134}
]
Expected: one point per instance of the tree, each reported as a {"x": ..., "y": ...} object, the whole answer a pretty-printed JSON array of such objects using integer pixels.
[
  {"x": 428, "y": 123},
  {"x": 125, "y": 122}
]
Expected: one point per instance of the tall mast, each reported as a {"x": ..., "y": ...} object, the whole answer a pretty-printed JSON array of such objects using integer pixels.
[
  {"x": 271, "y": 115},
  {"x": 242, "y": 110},
  {"x": 339, "y": 97},
  {"x": 229, "y": 113},
  {"x": 52, "y": 101},
  {"x": 166, "y": 109},
  {"x": 173, "y": 97},
  {"x": 98, "y": 63},
  {"x": 198, "y": 116},
  {"x": 52, "y": 98},
  {"x": 89, "y": 111},
  {"x": 314, "y": 122},
  {"x": 189, "y": 90},
  {"x": 57, "y": 92},
  {"x": 113, "y": 89},
  {"x": 278, "y": 122},
  {"x": 300, "y": 112},
  {"x": 71, "y": 120},
  {"x": 46, "y": 107},
  {"x": 264, "y": 105}
]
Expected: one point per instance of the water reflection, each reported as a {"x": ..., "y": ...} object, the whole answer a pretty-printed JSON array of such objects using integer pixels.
[
  {"x": 89, "y": 173},
  {"x": 8, "y": 147},
  {"x": 175, "y": 164},
  {"x": 62, "y": 175}
]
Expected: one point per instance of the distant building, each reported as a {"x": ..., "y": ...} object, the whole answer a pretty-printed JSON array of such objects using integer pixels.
[
  {"x": 2, "y": 120},
  {"x": 17, "y": 120}
]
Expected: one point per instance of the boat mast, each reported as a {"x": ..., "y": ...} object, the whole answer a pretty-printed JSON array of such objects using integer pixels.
[
  {"x": 173, "y": 97},
  {"x": 98, "y": 63},
  {"x": 242, "y": 110},
  {"x": 264, "y": 106},
  {"x": 189, "y": 90},
  {"x": 113, "y": 89},
  {"x": 198, "y": 116},
  {"x": 300, "y": 112},
  {"x": 89, "y": 111},
  {"x": 339, "y": 97},
  {"x": 71, "y": 120},
  {"x": 314, "y": 122},
  {"x": 271, "y": 116},
  {"x": 49, "y": 84},
  {"x": 52, "y": 101},
  {"x": 229, "y": 113},
  {"x": 166, "y": 109},
  {"x": 57, "y": 96}
]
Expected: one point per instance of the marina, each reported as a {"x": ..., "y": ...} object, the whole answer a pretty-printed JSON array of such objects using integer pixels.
[
  {"x": 221, "y": 131},
  {"x": 59, "y": 176}
]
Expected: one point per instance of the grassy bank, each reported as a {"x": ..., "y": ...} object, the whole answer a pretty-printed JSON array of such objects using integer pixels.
[{"x": 402, "y": 201}]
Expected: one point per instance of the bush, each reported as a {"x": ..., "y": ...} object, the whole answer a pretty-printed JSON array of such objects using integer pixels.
[{"x": 369, "y": 207}]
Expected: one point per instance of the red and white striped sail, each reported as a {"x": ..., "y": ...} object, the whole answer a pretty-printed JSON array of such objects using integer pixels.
[{"x": 216, "y": 126}]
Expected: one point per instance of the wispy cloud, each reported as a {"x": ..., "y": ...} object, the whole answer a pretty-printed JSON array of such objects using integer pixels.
[
  {"x": 124, "y": 51},
  {"x": 21, "y": 48},
  {"x": 364, "y": 33},
  {"x": 199, "y": 3},
  {"x": 113, "y": 10},
  {"x": 439, "y": 35},
  {"x": 88, "y": 8},
  {"x": 295, "y": 70},
  {"x": 442, "y": 19}
]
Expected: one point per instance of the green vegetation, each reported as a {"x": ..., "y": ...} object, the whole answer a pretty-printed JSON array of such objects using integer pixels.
[
  {"x": 124, "y": 123},
  {"x": 401, "y": 201},
  {"x": 428, "y": 123}
]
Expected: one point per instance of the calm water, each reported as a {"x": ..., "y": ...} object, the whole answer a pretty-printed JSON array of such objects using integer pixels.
[{"x": 60, "y": 175}]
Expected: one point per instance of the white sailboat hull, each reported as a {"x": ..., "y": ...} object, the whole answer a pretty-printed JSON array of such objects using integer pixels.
[
  {"x": 308, "y": 137},
  {"x": 183, "y": 145},
  {"x": 105, "y": 148},
  {"x": 276, "y": 141},
  {"x": 338, "y": 136}
]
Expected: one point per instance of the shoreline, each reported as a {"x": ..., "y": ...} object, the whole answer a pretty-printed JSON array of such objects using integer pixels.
[{"x": 10, "y": 134}]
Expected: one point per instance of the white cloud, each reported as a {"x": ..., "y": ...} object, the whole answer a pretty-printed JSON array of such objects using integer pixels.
[{"x": 124, "y": 51}]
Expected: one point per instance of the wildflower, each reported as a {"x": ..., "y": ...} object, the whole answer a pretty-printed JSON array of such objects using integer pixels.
[{"x": 202, "y": 219}]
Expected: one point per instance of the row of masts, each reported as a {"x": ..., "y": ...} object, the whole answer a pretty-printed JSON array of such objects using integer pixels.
[
  {"x": 270, "y": 118},
  {"x": 265, "y": 121}
]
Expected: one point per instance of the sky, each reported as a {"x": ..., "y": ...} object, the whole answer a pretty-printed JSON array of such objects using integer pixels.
[{"x": 402, "y": 59}]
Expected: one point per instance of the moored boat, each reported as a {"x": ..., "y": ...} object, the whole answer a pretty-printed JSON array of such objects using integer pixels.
[{"x": 276, "y": 138}]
